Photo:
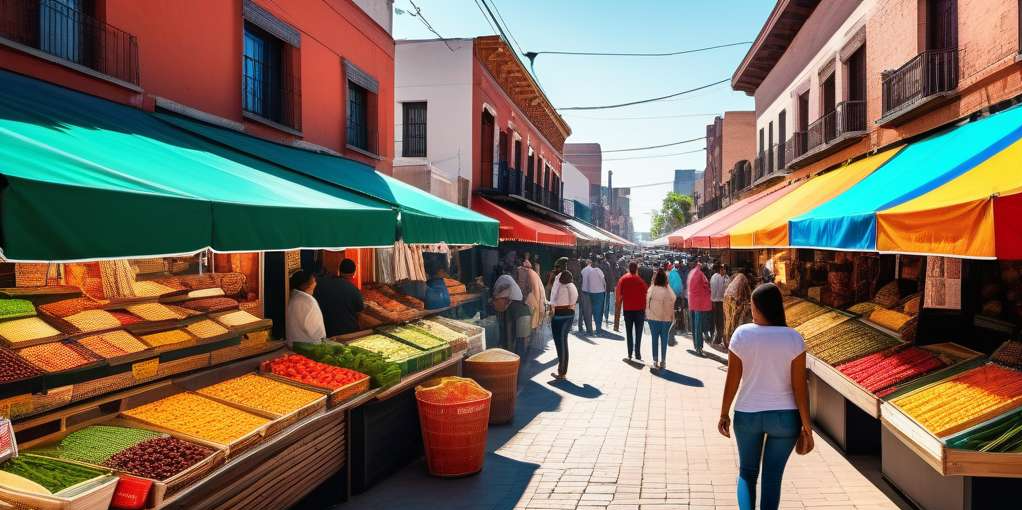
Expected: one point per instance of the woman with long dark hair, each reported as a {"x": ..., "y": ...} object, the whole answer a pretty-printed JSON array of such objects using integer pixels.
[
  {"x": 563, "y": 297},
  {"x": 660, "y": 313},
  {"x": 767, "y": 362}
]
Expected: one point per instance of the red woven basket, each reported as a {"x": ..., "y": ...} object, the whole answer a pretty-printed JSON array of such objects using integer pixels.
[{"x": 454, "y": 435}]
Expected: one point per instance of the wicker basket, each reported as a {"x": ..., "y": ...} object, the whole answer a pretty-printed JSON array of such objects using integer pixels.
[
  {"x": 232, "y": 283},
  {"x": 500, "y": 377}
]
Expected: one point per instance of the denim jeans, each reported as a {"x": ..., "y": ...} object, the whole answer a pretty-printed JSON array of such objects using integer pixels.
[
  {"x": 634, "y": 320},
  {"x": 660, "y": 330},
  {"x": 608, "y": 304},
  {"x": 697, "y": 330},
  {"x": 585, "y": 313},
  {"x": 561, "y": 326},
  {"x": 766, "y": 438},
  {"x": 596, "y": 300}
]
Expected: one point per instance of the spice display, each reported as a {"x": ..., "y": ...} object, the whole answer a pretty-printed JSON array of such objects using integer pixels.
[
  {"x": 159, "y": 458},
  {"x": 801, "y": 311},
  {"x": 165, "y": 338},
  {"x": 155, "y": 312},
  {"x": 52, "y": 474},
  {"x": 16, "y": 309},
  {"x": 439, "y": 330},
  {"x": 13, "y": 368},
  {"x": 889, "y": 318},
  {"x": 237, "y": 319},
  {"x": 382, "y": 373},
  {"x": 848, "y": 341},
  {"x": 1003, "y": 436},
  {"x": 880, "y": 372},
  {"x": 822, "y": 322},
  {"x": 113, "y": 344},
  {"x": 307, "y": 371},
  {"x": 211, "y": 304},
  {"x": 72, "y": 306},
  {"x": 200, "y": 417},
  {"x": 950, "y": 406},
  {"x": 386, "y": 347},
  {"x": 20, "y": 331},
  {"x": 93, "y": 320},
  {"x": 416, "y": 337},
  {"x": 863, "y": 309},
  {"x": 452, "y": 390},
  {"x": 1010, "y": 354},
  {"x": 206, "y": 329},
  {"x": 95, "y": 444},
  {"x": 56, "y": 356},
  {"x": 125, "y": 318},
  {"x": 262, "y": 393}
]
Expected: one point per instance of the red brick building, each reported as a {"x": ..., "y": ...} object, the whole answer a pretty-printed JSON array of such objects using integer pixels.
[{"x": 730, "y": 146}]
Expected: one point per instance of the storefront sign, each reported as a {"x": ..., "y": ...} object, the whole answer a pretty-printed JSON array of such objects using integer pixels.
[{"x": 943, "y": 283}]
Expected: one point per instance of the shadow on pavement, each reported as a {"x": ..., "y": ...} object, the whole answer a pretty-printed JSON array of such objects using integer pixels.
[
  {"x": 584, "y": 391},
  {"x": 674, "y": 377},
  {"x": 638, "y": 365}
]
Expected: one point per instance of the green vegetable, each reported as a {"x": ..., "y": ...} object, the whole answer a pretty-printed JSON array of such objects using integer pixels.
[
  {"x": 382, "y": 373},
  {"x": 95, "y": 444},
  {"x": 16, "y": 308},
  {"x": 52, "y": 474},
  {"x": 416, "y": 337}
]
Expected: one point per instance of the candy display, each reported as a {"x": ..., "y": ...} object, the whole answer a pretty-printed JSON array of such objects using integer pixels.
[
  {"x": 820, "y": 323},
  {"x": 165, "y": 338},
  {"x": 881, "y": 371},
  {"x": 52, "y": 474},
  {"x": 416, "y": 337},
  {"x": 261, "y": 393},
  {"x": 951, "y": 405},
  {"x": 95, "y": 444},
  {"x": 237, "y": 319},
  {"x": 56, "y": 356},
  {"x": 21, "y": 331},
  {"x": 207, "y": 329},
  {"x": 155, "y": 312},
  {"x": 387, "y": 347},
  {"x": 452, "y": 390},
  {"x": 93, "y": 320},
  {"x": 382, "y": 373},
  {"x": 889, "y": 318},
  {"x": 314, "y": 373},
  {"x": 1003, "y": 436},
  {"x": 71, "y": 306},
  {"x": 13, "y": 368},
  {"x": 200, "y": 417},
  {"x": 847, "y": 341},
  {"x": 1010, "y": 354},
  {"x": 16, "y": 309},
  {"x": 159, "y": 458}
]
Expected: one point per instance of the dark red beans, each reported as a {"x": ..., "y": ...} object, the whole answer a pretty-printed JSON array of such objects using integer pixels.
[{"x": 159, "y": 458}]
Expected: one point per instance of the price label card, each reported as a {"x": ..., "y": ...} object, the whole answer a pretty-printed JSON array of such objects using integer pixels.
[
  {"x": 145, "y": 369},
  {"x": 12, "y": 407}
]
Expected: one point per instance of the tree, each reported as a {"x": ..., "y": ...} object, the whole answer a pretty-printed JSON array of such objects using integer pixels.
[{"x": 674, "y": 213}]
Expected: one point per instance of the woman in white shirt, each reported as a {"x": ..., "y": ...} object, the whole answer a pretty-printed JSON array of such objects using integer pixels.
[
  {"x": 660, "y": 314},
  {"x": 768, "y": 360},
  {"x": 563, "y": 296}
]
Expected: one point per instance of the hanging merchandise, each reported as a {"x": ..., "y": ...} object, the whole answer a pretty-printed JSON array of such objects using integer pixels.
[
  {"x": 118, "y": 279},
  {"x": 943, "y": 283},
  {"x": 385, "y": 265}
]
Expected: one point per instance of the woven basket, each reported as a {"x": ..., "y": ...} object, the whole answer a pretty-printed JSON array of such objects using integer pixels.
[
  {"x": 232, "y": 283},
  {"x": 888, "y": 295},
  {"x": 500, "y": 377}
]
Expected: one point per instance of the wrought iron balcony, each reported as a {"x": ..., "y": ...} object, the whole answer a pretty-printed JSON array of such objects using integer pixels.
[
  {"x": 831, "y": 132},
  {"x": 509, "y": 180},
  {"x": 769, "y": 163},
  {"x": 71, "y": 36},
  {"x": 930, "y": 75}
]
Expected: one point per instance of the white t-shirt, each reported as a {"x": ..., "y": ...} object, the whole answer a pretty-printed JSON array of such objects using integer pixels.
[
  {"x": 593, "y": 280},
  {"x": 303, "y": 321},
  {"x": 563, "y": 295},
  {"x": 766, "y": 353}
]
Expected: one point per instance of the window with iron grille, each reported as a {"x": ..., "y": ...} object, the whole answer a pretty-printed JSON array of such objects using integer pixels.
[
  {"x": 268, "y": 88},
  {"x": 413, "y": 136},
  {"x": 358, "y": 117}
]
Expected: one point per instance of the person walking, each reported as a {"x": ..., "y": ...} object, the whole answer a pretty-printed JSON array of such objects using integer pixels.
[
  {"x": 660, "y": 314},
  {"x": 718, "y": 284},
  {"x": 594, "y": 286},
  {"x": 563, "y": 297},
  {"x": 630, "y": 294},
  {"x": 610, "y": 277},
  {"x": 698, "y": 288},
  {"x": 536, "y": 300},
  {"x": 677, "y": 284},
  {"x": 514, "y": 319},
  {"x": 767, "y": 370},
  {"x": 737, "y": 302}
]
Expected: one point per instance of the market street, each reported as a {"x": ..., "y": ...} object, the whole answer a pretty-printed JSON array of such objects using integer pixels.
[{"x": 617, "y": 437}]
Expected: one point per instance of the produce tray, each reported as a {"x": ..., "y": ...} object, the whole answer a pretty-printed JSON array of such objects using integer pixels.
[
  {"x": 388, "y": 331},
  {"x": 280, "y": 421},
  {"x": 94, "y": 494},
  {"x": 476, "y": 335},
  {"x": 962, "y": 462},
  {"x": 247, "y": 328},
  {"x": 334, "y": 397},
  {"x": 421, "y": 361}
]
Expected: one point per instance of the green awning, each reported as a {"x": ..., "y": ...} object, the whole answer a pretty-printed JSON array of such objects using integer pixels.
[
  {"x": 424, "y": 217},
  {"x": 86, "y": 178}
]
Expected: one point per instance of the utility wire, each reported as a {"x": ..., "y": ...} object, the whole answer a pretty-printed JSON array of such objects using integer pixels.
[
  {"x": 656, "y": 156},
  {"x": 494, "y": 18},
  {"x": 418, "y": 14},
  {"x": 534, "y": 54},
  {"x": 678, "y": 116},
  {"x": 487, "y": 18},
  {"x": 630, "y": 149},
  {"x": 501, "y": 16},
  {"x": 641, "y": 101}
]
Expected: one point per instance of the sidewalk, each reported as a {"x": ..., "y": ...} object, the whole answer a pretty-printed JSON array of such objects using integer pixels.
[{"x": 618, "y": 437}]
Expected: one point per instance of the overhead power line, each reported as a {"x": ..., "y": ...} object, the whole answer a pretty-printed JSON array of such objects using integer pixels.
[
  {"x": 425, "y": 22},
  {"x": 658, "y": 156},
  {"x": 506, "y": 26},
  {"x": 651, "y": 117},
  {"x": 650, "y": 100},
  {"x": 533, "y": 54},
  {"x": 485, "y": 17},
  {"x": 654, "y": 146}
]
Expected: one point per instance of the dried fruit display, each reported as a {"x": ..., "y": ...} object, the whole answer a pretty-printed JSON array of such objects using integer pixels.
[
  {"x": 56, "y": 356},
  {"x": 72, "y": 306},
  {"x": 211, "y": 304},
  {"x": 95, "y": 444},
  {"x": 452, "y": 390},
  {"x": 889, "y": 318},
  {"x": 848, "y": 341},
  {"x": 880, "y": 372},
  {"x": 20, "y": 331},
  {"x": 863, "y": 309},
  {"x": 262, "y": 393},
  {"x": 206, "y": 329},
  {"x": 165, "y": 338},
  {"x": 16, "y": 309},
  {"x": 388, "y": 348},
  {"x": 237, "y": 319},
  {"x": 307, "y": 371},
  {"x": 949, "y": 406},
  {"x": 439, "y": 330},
  {"x": 159, "y": 458},
  {"x": 155, "y": 312},
  {"x": 1010, "y": 354},
  {"x": 52, "y": 474},
  {"x": 200, "y": 417},
  {"x": 801, "y": 311},
  {"x": 13, "y": 368},
  {"x": 93, "y": 320},
  {"x": 822, "y": 322},
  {"x": 113, "y": 344},
  {"x": 416, "y": 337}
]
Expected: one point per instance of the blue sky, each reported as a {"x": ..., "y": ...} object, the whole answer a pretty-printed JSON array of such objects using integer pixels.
[{"x": 614, "y": 26}]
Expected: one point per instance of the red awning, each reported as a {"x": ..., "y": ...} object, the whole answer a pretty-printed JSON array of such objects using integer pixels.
[
  {"x": 516, "y": 226},
  {"x": 715, "y": 234}
]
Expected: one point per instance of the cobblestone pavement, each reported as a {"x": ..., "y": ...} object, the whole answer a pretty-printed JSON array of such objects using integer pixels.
[{"x": 617, "y": 437}]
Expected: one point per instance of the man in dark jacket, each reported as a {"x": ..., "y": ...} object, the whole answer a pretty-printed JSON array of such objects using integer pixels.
[{"x": 340, "y": 300}]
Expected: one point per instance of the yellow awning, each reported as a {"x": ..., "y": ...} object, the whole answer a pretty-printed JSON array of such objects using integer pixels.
[{"x": 768, "y": 228}]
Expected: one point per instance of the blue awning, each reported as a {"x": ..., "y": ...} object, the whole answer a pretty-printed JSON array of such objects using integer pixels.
[{"x": 848, "y": 221}]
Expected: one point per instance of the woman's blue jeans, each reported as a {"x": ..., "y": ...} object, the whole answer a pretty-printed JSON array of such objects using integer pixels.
[
  {"x": 659, "y": 330},
  {"x": 561, "y": 326},
  {"x": 697, "y": 330},
  {"x": 765, "y": 438}
]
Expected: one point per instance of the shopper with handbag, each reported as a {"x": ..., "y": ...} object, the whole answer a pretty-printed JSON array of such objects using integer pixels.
[
  {"x": 660, "y": 314},
  {"x": 767, "y": 371}
]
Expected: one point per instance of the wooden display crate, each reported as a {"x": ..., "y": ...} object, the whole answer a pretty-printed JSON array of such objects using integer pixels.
[
  {"x": 94, "y": 494},
  {"x": 334, "y": 397},
  {"x": 280, "y": 421},
  {"x": 476, "y": 335}
]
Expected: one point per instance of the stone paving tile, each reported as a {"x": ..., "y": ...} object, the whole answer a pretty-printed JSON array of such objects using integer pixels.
[{"x": 619, "y": 437}]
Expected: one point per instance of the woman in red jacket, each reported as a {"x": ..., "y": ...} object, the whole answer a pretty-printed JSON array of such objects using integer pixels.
[{"x": 698, "y": 288}]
